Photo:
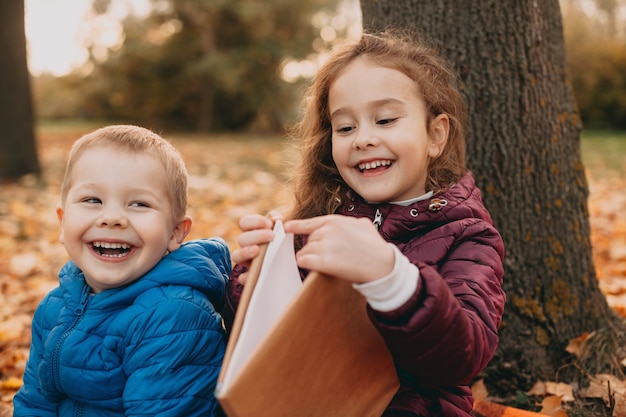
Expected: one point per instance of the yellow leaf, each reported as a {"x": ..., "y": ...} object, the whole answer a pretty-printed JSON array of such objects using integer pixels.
[
  {"x": 576, "y": 344},
  {"x": 551, "y": 406},
  {"x": 479, "y": 390},
  {"x": 608, "y": 387},
  {"x": 23, "y": 264},
  {"x": 538, "y": 389},
  {"x": 560, "y": 389},
  {"x": 12, "y": 383}
]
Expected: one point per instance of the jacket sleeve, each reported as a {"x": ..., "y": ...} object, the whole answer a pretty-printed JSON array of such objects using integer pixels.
[
  {"x": 447, "y": 332},
  {"x": 29, "y": 400},
  {"x": 174, "y": 350}
]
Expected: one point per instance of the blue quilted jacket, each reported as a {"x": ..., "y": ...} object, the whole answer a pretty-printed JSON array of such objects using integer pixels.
[{"x": 150, "y": 348}]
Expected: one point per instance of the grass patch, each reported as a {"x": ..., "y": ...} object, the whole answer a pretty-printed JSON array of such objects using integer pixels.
[
  {"x": 72, "y": 125},
  {"x": 604, "y": 152}
]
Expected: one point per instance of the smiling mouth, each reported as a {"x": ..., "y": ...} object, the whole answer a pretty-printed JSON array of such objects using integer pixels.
[
  {"x": 371, "y": 165},
  {"x": 111, "y": 250}
]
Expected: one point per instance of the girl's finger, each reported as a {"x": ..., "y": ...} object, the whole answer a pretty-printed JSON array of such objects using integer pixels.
[{"x": 255, "y": 221}]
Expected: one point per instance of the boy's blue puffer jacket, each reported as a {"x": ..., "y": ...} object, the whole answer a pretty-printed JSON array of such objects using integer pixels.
[{"x": 153, "y": 347}]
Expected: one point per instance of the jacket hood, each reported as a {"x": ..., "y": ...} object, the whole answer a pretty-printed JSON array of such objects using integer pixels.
[
  {"x": 400, "y": 223},
  {"x": 203, "y": 264}
]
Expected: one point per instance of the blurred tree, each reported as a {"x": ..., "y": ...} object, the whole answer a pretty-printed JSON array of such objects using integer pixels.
[
  {"x": 204, "y": 64},
  {"x": 524, "y": 148},
  {"x": 605, "y": 11},
  {"x": 597, "y": 60},
  {"x": 610, "y": 9},
  {"x": 18, "y": 153}
]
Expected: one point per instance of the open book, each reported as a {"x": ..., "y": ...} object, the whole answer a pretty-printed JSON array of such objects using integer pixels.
[{"x": 302, "y": 349}]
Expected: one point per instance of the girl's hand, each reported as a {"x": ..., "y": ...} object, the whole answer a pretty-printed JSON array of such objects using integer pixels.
[
  {"x": 256, "y": 230},
  {"x": 344, "y": 247}
]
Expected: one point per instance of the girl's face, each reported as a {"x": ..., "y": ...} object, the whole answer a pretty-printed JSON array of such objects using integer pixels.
[
  {"x": 116, "y": 221},
  {"x": 380, "y": 139}
]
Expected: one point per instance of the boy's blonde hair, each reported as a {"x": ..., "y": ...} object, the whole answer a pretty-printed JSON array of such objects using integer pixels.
[
  {"x": 135, "y": 140},
  {"x": 319, "y": 188}
]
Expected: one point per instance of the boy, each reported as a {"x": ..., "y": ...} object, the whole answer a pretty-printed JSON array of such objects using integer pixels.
[{"x": 132, "y": 328}]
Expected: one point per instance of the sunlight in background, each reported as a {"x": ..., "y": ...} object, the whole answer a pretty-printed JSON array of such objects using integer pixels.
[
  {"x": 347, "y": 19},
  {"x": 58, "y": 30}
]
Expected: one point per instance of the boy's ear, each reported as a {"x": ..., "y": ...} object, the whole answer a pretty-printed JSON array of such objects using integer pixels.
[
  {"x": 440, "y": 128},
  {"x": 60, "y": 218},
  {"x": 181, "y": 230}
]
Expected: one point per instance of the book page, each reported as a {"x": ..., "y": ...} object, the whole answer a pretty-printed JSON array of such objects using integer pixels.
[{"x": 278, "y": 283}]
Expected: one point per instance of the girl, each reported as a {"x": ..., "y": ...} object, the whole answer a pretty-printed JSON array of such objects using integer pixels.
[{"x": 383, "y": 199}]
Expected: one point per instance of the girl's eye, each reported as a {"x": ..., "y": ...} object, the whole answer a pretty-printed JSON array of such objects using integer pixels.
[
  {"x": 139, "y": 204},
  {"x": 92, "y": 200},
  {"x": 344, "y": 129},
  {"x": 387, "y": 121}
]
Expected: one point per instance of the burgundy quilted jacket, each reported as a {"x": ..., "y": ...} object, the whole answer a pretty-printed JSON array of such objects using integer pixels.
[{"x": 448, "y": 330}]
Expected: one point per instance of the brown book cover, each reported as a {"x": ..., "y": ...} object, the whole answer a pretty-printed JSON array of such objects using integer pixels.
[{"x": 321, "y": 357}]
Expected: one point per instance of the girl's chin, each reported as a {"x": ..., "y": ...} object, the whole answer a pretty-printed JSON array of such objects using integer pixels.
[{"x": 375, "y": 197}]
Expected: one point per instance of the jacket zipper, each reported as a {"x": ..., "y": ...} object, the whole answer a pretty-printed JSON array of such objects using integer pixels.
[
  {"x": 80, "y": 313},
  {"x": 378, "y": 219}
]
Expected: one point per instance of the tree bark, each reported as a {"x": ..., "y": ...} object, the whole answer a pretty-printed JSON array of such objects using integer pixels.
[
  {"x": 18, "y": 152},
  {"x": 524, "y": 147}
]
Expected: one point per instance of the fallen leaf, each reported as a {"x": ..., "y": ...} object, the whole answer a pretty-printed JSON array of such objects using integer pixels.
[
  {"x": 576, "y": 344},
  {"x": 23, "y": 264},
  {"x": 11, "y": 383},
  {"x": 539, "y": 389},
  {"x": 491, "y": 409},
  {"x": 564, "y": 391},
  {"x": 551, "y": 406},
  {"x": 479, "y": 390},
  {"x": 608, "y": 387}
]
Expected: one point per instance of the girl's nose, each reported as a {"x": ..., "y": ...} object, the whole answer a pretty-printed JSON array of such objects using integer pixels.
[{"x": 364, "y": 138}]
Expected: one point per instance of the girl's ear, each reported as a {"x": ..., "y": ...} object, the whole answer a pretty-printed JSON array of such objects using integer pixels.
[
  {"x": 440, "y": 128},
  {"x": 180, "y": 232}
]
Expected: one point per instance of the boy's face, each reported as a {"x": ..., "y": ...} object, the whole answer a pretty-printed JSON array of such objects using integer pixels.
[
  {"x": 380, "y": 141},
  {"x": 116, "y": 222}
]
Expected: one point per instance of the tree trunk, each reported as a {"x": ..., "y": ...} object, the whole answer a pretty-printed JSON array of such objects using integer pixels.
[
  {"x": 18, "y": 152},
  {"x": 524, "y": 147}
]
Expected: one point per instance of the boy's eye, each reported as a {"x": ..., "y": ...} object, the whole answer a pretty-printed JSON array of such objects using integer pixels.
[
  {"x": 139, "y": 204},
  {"x": 92, "y": 200}
]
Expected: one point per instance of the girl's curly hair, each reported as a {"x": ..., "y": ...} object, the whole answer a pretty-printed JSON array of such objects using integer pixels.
[{"x": 318, "y": 187}]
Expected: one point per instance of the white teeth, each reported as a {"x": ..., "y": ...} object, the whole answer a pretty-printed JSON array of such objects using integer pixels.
[
  {"x": 374, "y": 164},
  {"x": 111, "y": 250},
  {"x": 119, "y": 255},
  {"x": 107, "y": 245}
]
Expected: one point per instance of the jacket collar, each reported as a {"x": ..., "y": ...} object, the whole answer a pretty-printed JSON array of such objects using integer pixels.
[
  {"x": 203, "y": 264},
  {"x": 400, "y": 223}
]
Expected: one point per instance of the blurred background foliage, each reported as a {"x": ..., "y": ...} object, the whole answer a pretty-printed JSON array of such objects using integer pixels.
[
  {"x": 239, "y": 65},
  {"x": 595, "y": 39}
]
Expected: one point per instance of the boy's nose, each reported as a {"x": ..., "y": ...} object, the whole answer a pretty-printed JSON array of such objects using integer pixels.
[{"x": 112, "y": 218}]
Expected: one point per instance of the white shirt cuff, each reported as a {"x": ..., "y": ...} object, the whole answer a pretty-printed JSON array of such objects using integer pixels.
[{"x": 393, "y": 290}]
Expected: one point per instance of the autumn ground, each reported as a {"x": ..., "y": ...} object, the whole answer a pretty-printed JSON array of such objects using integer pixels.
[{"x": 230, "y": 176}]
